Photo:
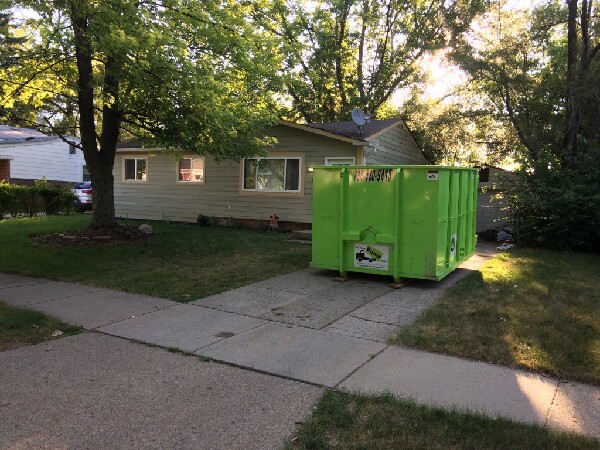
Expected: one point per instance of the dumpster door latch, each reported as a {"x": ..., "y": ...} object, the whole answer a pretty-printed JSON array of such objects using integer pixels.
[{"x": 369, "y": 229}]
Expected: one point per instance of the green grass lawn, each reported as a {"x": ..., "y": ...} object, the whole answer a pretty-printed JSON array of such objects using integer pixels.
[
  {"x": 19, "y": 327},
  {"x": 179, "y": 262},
  {"x": 530, "y": 308},
  {"x": 346, "y": 421}
]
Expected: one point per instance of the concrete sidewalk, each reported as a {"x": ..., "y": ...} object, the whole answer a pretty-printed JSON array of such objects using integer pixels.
[
  {"x": 100, "y": 392},
  {"x": 304, "y": 326}
]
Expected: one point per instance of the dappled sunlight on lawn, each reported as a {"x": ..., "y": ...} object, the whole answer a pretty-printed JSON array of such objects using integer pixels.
[{"x": 529, "y": 308}]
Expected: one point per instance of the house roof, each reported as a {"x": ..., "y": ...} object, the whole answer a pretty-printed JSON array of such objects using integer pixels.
[
  {"x": 133, "y": 143},
  {"x": 8, "y": 132},
  {"x": 14, "y": 135},
  {"x": 11, "y": 135},
  {"x": 351, "y": 130},
  {"x": 344, "y": 131}
]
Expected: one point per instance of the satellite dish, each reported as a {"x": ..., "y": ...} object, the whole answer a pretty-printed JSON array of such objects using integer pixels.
[{"x": 359, "y": 117}]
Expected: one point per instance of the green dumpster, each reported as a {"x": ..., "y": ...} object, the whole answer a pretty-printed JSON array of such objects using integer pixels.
[{"x": 403, "y": 221}]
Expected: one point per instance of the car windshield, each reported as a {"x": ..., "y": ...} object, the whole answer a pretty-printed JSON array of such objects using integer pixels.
[{"x": 86, "y": 185}]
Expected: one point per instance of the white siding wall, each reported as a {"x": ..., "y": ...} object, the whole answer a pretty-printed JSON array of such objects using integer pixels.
[
  {"x": 396, "y": 147},
  {"x": 161, "y": 197},
  {"x": 49, "y": 159}
]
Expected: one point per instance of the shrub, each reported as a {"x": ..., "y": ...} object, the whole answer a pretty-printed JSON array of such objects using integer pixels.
[
  {"x": 558, "y": 209},
  {"x": 54, "y": 199},
  {"x": 29, "y": 200},
  {"x": 7, "y": 198}
]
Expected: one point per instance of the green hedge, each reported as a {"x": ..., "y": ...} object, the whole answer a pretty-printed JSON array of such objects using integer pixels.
[
  {"x": 559, "y": 210},
  {"x": 30, "y": 200}
]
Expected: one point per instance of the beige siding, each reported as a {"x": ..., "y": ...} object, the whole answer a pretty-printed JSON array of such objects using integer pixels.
[
  {"x": 492, "y": 212},
  {"x": 396, "y": 147},
  {"x": 161, "y": 197}
]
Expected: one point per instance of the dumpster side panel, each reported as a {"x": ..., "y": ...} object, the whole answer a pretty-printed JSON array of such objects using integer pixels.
[
  {"x": 326, "y": 218},
  {"x": 454, "y": 197},
  {"x": 471, "y": 212},
  {"x": 462, "y": 215},
  {"x": 369, "y": 218},
  {"x": 418, "y": 225},
  {"x": 443, "y": 224}
]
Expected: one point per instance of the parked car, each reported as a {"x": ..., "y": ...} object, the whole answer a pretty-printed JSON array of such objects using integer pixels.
[{"x": 83, "y": 192}]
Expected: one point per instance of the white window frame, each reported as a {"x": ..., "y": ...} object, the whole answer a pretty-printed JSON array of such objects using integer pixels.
[
  {"x": 177, "y": 169},
  {"x": 276, "y": 191},
  {"x": 134, "y": 180},
  {"x": 330, "y": 161}
]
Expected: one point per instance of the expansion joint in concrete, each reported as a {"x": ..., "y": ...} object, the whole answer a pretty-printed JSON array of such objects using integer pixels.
[{"x": 373, "y": 356}]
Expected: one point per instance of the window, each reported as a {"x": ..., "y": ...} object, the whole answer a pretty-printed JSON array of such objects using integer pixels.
[
  {"x": 339, "y": 161},
  {"x": 272, "y": 174},
  {"x": 135, "y": 169},
  {"x": 190, "y": 170},
  {"x": 86, "y": 174},
  {"x": 484, "y": 175}
]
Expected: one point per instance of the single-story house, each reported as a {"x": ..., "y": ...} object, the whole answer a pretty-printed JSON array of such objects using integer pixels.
[
  {"x": 27, "y": 155},
  {"x": 153, "y": 185},
  {"x": 492, "y": 211}
]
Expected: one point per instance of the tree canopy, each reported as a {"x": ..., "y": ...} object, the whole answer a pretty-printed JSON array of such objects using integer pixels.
[
  {"x": 183, "y": 74},
  {"x": 539, "y": 71},
  {"x": 343, "y": 54}
]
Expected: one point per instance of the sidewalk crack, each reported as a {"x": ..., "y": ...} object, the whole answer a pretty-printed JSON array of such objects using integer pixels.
[
  {"x": 371, "y": 358},
  {"x": 129, "y": 318},
  {"x": 241, "y": 333},
  {"x": 549, "y": 412}
]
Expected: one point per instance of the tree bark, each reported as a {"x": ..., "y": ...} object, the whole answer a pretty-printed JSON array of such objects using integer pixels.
[
  {"x": 361, "y": 54},
  {"x": 100, "y": 162},
  {"x": 572, "y": 117},
  {"x": 342, "y": 22}
]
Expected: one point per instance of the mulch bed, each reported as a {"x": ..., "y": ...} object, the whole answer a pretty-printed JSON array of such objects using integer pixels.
[{"x": 90, "y": 238}]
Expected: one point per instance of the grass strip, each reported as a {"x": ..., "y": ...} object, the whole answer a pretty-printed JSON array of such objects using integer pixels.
[
  {"x": 20, "y": 326},
  {"x": 353, "y": 422}
]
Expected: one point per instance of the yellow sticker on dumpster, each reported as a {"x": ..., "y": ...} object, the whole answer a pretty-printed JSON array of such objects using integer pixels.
[{"x": 371, "y": 256}]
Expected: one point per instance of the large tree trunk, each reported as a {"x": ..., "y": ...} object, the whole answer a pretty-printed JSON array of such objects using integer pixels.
[
  {"x": 99, "y": 161},
  {"x": 103, "y": 200},
  {"x": 572, "y": 119}
]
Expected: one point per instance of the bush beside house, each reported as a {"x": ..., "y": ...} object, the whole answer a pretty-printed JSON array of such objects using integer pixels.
[{"x": 29, "y": 200}]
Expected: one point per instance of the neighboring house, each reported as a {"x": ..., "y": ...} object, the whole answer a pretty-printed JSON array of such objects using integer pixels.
[
  {"x": 153, "y": 185},
  {"x": 492, "y": 211},
  {"x": 27, "y": 155}
]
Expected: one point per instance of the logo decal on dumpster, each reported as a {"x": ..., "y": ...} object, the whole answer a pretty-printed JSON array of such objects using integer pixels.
[
  {"x": 433, "y": 175},
  {"x": 373, "y": 175},
  {"x": 453, "y": 246},
  {"x": 370, "y": 256}
]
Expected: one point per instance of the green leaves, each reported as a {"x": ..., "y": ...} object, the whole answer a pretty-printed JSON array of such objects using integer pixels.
[
  {"x": 343, "y": 54},
  {"x": 194, "y": 75},
  {"x": 182, "y": 74}
]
